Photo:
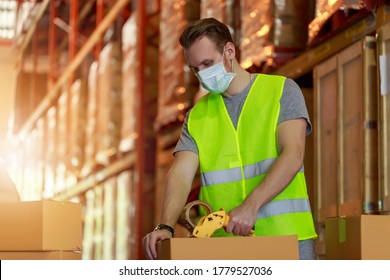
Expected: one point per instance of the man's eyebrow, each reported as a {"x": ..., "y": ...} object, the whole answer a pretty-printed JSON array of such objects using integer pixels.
[{"x": 204, "y": 62}]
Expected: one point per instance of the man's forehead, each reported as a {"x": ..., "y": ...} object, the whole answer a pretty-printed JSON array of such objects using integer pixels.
[
  {"x": 203, "y": 43},
  {"x": 201, "y": 50}
]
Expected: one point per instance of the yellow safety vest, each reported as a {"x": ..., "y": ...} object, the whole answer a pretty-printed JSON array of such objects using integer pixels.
[{"x": 234, "y": 161}]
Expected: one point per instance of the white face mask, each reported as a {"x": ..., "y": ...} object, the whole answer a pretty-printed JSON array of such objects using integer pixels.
[{"x": 215, "y": 79}]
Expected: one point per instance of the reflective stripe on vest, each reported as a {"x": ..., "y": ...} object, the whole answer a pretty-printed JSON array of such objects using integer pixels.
[
  {"x": 279, "y": 207},
  {"x": 234, "y": 174}
]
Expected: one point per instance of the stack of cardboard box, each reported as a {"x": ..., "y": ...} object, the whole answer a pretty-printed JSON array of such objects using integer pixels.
[
  {"x": 359, "y": 237},
  {"x": 40, "y": 230}
]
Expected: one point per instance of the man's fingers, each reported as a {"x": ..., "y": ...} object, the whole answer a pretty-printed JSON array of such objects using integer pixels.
[
  {"x": 243, "y": 229},
  {"x": 149, "y": 242}
]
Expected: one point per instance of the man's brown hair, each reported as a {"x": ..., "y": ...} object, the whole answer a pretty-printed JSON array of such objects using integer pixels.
[{"x": 213, "y": 29}]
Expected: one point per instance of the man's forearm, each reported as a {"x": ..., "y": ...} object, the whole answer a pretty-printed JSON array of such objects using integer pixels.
[
  {"x": 276, "y": 180},
  {"x": 175, "y": 197}
]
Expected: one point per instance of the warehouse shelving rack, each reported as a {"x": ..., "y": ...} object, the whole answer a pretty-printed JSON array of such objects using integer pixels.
[
  {"x": 295, "y": 69},
  {"x": 91, "y": 46}
]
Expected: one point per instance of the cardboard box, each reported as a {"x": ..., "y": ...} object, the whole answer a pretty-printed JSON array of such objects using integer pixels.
[
  {"x": 230, "y": 248},
  {"x": 41, "y": 255},
  {"x": 40, "y": 226},
  {"x": 363, "y": 237}
]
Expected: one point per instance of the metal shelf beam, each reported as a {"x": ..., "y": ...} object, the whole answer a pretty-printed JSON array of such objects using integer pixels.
[{"x": 125, "y": 163}]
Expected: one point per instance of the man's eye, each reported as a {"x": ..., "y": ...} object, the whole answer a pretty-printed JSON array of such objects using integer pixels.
[{"x": 195, "y": 69}]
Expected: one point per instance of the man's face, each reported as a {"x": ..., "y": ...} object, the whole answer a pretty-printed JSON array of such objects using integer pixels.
[{"x": 202, "y": 54}]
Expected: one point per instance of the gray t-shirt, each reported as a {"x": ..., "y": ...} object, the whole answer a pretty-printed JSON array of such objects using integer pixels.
[{"x": 292, "y": 106}]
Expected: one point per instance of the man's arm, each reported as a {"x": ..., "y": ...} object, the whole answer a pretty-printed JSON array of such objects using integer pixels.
[
  {"x": 291, "y": 146},
  {"x": 177, "y": 187}
]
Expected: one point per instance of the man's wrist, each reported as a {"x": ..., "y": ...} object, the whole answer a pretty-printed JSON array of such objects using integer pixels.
[{"x": 166, "y": 227}]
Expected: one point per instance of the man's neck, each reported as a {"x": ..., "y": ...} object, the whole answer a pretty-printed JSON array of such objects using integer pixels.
[{"x": 239, "y": 83}]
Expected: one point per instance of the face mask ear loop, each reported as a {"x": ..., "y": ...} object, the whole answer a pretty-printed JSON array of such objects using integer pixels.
[{"x": 231, "y": 60}]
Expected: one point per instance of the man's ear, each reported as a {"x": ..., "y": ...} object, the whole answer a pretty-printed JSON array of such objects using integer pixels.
[{"x": 230, "y": 50}]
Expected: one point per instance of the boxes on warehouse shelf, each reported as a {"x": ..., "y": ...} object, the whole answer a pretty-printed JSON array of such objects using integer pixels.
[
  {"x": 40, "y": 226},
  {"x": 360, "y": 237},
  {"x": 230, "y": 248}
]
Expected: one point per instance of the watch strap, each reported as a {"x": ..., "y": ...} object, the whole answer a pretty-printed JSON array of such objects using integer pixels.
[{"x": 166, "y": 227}]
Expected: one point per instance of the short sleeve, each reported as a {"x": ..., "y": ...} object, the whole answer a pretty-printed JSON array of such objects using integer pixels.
[
  {"x": 292, "y": 104},
  {"x": 186, "y": 142}
]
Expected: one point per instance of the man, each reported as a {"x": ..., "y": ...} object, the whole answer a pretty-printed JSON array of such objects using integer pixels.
[{"x": 248, "y": 135}]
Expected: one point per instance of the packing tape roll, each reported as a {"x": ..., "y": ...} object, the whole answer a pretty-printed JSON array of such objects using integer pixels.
[{"x": 185, "y": 218}]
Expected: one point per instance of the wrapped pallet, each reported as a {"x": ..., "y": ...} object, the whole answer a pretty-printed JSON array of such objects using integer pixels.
[
  {"x": 88, "y": 224},
  {"x": 78, "y": 125},
  {"x": 273, "y": 31},
  {"x": 28, "y": 175},
  {"x": 50, "y": 154},
  {"x": 255, "y": 26},
  {"x": 62, "y": 142},
  {"x": 108, "y": 121},
  {"x": 172, "y": 91},
  {"x": 332, "y": 15},
  {"x": 109, "y": 213},
  {"x": 40, "y": 149},
  {"x": 98, "y": 223},
  {"x": 90, "y": 130},
  {"x": 130, "y": 86},
  {"x": 126, "y": 238},
  {"x": 33, "y": 163},
  {"x": 289, "y": 29}
]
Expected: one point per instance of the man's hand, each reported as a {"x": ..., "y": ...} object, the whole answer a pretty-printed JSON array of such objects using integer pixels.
[
  {"x": 242, "y": 219},
  {"x": 150, "y": 240}
]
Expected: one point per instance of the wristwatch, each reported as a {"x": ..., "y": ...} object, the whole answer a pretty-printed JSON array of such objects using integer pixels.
[{"x": 168, "y": 228}]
